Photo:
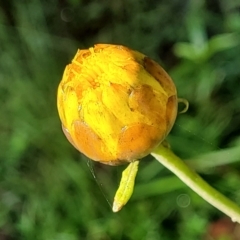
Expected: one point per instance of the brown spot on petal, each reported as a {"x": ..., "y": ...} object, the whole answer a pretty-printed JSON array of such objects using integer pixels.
[
  {"x": 149, "y": 103},
  {"x": 160, "y": 75},
  {"x": 89, "y": 143},
  {"x": 137, "y": 141}
]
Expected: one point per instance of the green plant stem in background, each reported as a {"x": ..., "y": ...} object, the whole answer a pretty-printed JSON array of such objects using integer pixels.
[
  {"x": 204, "y": 162},
  {"x": 167, "y": 158}
]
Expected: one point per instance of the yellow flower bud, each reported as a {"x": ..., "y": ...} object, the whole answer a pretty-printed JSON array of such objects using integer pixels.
[{"x": 115, "y": 104}]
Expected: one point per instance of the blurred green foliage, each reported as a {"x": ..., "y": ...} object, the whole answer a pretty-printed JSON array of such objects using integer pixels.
[{"x": 49, "y": 191}]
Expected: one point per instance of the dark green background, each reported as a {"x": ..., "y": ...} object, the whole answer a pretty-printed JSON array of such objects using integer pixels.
[{"x": 47, "y": 189}]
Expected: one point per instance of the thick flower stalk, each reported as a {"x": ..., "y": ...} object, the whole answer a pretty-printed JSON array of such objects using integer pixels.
[{"x": 115, "y": 104}]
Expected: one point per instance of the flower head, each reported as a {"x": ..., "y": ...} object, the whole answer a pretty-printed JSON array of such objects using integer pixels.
[{"x": 115, "y": 104}]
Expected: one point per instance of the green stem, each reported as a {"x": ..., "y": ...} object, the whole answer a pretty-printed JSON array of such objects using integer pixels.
[{"x": 167, "y": 158}]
